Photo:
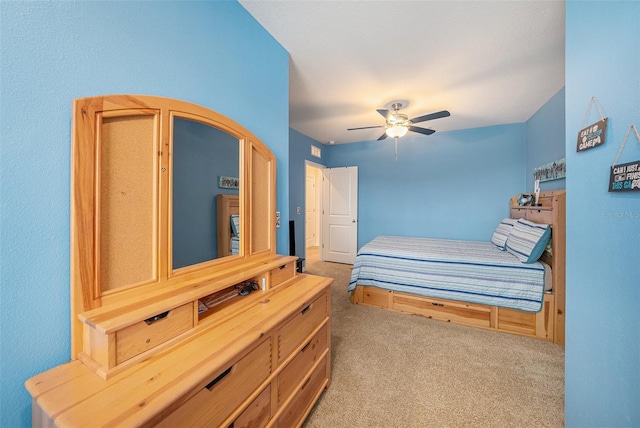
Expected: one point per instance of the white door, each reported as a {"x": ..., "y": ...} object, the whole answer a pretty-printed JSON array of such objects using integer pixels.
[
  {"x": 311, "y": 210},
  {"x": 340, "y": 214}
]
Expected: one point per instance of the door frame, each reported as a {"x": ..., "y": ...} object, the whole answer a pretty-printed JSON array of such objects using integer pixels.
[{"x": 308, "y": 163}]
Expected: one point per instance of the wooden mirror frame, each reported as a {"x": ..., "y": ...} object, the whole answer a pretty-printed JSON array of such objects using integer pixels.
[{"x": 88, "y": 234}]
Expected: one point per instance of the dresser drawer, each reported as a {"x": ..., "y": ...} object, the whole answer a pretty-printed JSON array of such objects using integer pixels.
[
  {"x": 294, "y": 332},
  {"x": 257, "y": 414},
  {"x": 142, "y": 336},
  {"x": 304, "y": 398},
  {"x": 213, "y": 403},
  {"x": 282, "y": 273},
  {"x": 299, "y": 367}
]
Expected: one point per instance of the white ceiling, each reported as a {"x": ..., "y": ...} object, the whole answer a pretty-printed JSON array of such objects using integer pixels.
[{"x": 488, "y": 62}]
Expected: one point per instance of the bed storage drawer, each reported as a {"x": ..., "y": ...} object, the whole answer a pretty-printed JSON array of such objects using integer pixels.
[
  {"x": 305, "y": 396},
  {"x": 298, "y": 368},
  {"x": 445, "y": 310},
  {"x": 295, "y": 331},
  {"x": 282, "y": 273},
  {"x": 375, "y": 296},
  {"x": 517, "y": 321},
  {"x": 539, "y": 324},
  {"x": 226, "y": 390},
  {"x": 144, "y": 335}
]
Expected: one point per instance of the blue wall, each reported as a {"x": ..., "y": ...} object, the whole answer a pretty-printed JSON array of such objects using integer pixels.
[
  {"x": 210, "y": 53},
  {"x": 299, "y": 152},
  {"x": 453, "y": 185},
  {"x": 603, "y": 229},
  {"x": 545, "y": 141}
]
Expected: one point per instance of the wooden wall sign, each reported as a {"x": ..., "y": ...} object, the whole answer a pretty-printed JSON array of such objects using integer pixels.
[
  {"x": 625, "y": 177},
  {"x": 592, "y": 136}
]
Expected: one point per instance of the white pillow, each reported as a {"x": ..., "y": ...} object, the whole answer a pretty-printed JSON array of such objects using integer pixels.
[
  {"x": 502, "y": 232},
  {"x": 528, "y": 240}
]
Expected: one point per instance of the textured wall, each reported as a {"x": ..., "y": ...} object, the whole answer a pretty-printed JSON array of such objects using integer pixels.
[
  {"x": 603, "y": 229},
  {"x": 210, "y": 53}
]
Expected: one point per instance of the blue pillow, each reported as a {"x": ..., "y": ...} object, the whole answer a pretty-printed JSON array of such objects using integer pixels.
[
  {"x": 502, "y": 232},
  {"x": 528, "y": 240}
]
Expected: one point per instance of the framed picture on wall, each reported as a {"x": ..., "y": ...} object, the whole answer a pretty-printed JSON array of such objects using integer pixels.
[
  {"x": 227, "y": 182},
  {"x": 551, "y": 171}
]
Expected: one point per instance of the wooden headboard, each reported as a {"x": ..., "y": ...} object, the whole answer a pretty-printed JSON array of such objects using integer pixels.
[
  {"x": 552, "y": 211},
  {"x": 227, "y": 205}
]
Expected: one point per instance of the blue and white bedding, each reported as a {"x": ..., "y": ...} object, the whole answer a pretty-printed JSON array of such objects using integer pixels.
[{"x": 469, "y": 271}]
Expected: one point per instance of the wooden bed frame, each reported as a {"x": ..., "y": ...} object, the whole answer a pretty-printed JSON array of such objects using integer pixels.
[
  {"x": 227, "y": 205},
  {"x": 548, "y": 324}
]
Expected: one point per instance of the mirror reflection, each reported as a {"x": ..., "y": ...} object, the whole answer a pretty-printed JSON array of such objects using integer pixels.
[{"x": 206, "y": 164}]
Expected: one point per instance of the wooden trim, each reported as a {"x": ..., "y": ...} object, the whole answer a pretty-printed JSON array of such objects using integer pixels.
[{"x": 539, "y": 325}]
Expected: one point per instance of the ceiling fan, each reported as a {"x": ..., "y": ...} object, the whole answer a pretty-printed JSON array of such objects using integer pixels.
[{"x": 398, "y": 124}]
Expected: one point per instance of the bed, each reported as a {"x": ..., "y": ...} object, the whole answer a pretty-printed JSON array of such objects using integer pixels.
[{"x": 482, "y": 284}]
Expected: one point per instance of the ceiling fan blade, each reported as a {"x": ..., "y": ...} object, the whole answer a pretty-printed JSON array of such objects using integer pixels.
[
  {"x": 365, "y": 127},
  {"x": 383, "y": 136},
  {"x": 431, "y": 116},
  {"x": 424, "y": 131},
  {"x": 383, "y": 112}
]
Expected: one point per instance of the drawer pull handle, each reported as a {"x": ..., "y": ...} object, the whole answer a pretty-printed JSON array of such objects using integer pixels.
[
  {"x": 218, "y": 379},
  {"x": 436, "y": 304},
  {"x": 282, "y": 267},
  {"x": 306, "y": 382},
  {"x": 155, "y": 318},
  {"x": 305, "y": 309}
]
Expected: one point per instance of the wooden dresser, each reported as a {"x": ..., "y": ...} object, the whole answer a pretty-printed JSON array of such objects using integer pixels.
[
  {"x": 262, "y": 360},
  {"x": 238, "y": 340}
]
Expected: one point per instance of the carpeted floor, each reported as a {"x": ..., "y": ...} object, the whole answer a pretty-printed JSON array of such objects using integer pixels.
[{"x": 397, "y": 370}]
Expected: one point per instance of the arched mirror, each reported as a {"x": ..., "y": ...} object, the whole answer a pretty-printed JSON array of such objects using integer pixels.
[
  {"x": 205, "y": 182},
  {"x": 163, "y": 191}
]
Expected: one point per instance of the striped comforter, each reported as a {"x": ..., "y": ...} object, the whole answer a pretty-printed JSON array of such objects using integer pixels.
[{"x": 469, "y": 271}]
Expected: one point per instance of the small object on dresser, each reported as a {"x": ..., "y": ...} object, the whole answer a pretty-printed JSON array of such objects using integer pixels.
[{"x": 246, "y": 287}]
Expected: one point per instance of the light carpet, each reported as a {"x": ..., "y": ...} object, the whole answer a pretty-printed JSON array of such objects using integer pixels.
[{"x": 398, "y": 370}]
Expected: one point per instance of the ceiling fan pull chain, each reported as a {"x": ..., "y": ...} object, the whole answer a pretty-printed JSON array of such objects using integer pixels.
[{"x": 396, "y": 148}]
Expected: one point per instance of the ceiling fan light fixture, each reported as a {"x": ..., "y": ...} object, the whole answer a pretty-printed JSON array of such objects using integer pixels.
[{"x": 397, "y": 130}]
